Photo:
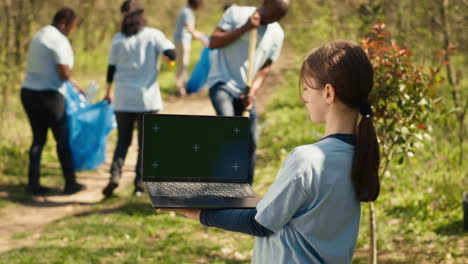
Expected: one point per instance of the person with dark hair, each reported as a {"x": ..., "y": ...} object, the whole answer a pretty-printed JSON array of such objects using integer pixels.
[
  {"x": 311, "y": 212},
  {"x": 133, "y": 63},
  {"x": 50, "y": 60},
  {"x": 229, "y": 93},
  {"x": 184, "y": 31},
  {"x": 133, "y": 20}
]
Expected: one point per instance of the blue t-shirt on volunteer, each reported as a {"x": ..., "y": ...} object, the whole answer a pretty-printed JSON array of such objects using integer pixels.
[
  {"x": 48, "y": 48},
  {"x": 311, "y": 207},
  {"x": 136, "y": 76},
  {"x": 229, "y": 64},
  {"x": 185, "y": 17}
]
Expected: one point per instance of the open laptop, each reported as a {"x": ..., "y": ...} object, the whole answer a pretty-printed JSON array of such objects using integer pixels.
[{"x": 197, "y": 161}]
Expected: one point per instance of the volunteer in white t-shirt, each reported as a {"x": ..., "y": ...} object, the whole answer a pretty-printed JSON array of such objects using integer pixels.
[
  {"x": 133, "y": 63},
  {"x": 184, "y": 31},
  {"x": 50, "y": 60},
  {"x": 228, "y": 70}
]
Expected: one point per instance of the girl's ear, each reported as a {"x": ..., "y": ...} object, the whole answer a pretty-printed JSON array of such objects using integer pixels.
[{"x": 329, "y": 93}]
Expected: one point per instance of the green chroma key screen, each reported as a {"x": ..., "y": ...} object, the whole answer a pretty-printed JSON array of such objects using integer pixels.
[{"x": 176, "y": 146}]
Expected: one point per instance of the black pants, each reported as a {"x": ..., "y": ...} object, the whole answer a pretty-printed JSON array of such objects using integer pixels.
[
  {"x": 46, "y": 109},
  {"x": 125, "y": 125}
]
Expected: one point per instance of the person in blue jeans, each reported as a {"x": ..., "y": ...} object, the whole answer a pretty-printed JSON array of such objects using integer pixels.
[
  {"x": 50, "y": 62},
  {"x": 229, "y": 93},
  {"x": 133, "y": 62},
  {"x": 311, "y": 212}
]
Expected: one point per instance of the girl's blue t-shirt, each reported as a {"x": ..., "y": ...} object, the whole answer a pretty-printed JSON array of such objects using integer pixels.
[{"x": 312, "y": 207}]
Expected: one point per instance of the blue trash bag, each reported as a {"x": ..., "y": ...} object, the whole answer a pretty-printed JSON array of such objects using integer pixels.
[
  {"x": 89, "y": 126},
  {"x": 200, "y": 72}
]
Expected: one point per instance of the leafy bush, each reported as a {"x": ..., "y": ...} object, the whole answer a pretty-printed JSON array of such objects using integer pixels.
[{"x": 402, "y": 97}]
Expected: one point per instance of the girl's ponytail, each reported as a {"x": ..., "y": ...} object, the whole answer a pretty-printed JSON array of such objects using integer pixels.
[
  {"x": 367, "y": 159},
  {"x": 347, "y": 67}
]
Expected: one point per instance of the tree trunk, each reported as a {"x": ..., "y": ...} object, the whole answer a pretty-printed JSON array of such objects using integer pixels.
[
  {"x": 18, "y": 31},
  {"x": 372, "y": 235},
  {"x": 7, "y": 8},
  {"x": 461, "y": 132},
  {"x": 4, "y": 60},
  {"x": 456, "y": 96}
]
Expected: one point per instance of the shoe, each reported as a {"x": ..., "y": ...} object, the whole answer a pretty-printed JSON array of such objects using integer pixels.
[
  {"x": 72, "y": 189},
  {"x": 109, "y": 190},
  {"x": 138, "y": 191},
  {"x": 38, "y": 190},
  {"x": 182, "y": 92}
]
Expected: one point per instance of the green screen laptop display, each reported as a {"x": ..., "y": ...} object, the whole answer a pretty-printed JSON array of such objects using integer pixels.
[{"x": 177, "y": 146}]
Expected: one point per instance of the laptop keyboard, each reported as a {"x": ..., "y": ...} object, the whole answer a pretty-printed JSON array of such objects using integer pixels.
[{"x": 188, "y": 189}]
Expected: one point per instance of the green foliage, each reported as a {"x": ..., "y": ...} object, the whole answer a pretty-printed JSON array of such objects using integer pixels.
[
  {"x": 402, "y": 97},
  {"x": 307, "y": 24}
]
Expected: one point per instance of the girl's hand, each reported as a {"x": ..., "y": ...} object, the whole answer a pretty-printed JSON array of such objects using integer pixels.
[
  {"x": 108, "y": 98},
  {"x": 205, "y": 40},
  {"x": 193, "y": 214},
  {"x": 78, "y": 88},
  {"x": 198, "y": 35},
  {"x": 108, "y": 95},
  {"x": 81, "y": 91}
]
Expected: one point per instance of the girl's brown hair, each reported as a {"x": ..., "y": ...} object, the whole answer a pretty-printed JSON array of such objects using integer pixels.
[
  {"x": 133, "y": 20},
  {"x": 347, "y": 67}
]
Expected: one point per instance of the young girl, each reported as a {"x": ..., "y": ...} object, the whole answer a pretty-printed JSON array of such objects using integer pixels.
[{"x": 311, "y": 213}]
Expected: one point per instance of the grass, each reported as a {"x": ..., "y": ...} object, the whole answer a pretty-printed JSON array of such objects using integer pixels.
[{"x": 128, "y": 230}]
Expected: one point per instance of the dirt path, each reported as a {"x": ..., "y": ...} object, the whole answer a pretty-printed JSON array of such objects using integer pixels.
[{"x": 29, "y": 218}]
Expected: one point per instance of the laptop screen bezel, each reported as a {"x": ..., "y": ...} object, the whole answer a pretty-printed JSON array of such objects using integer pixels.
[{"x": 190, "y": 179}]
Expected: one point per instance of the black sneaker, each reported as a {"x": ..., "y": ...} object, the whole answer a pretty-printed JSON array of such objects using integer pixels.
[
  {"x": 72, "y": 189},
  {"x": 38, "y": 190},
  {"x": 138, "y": 191},
  {"x": 109, "y": 190}
]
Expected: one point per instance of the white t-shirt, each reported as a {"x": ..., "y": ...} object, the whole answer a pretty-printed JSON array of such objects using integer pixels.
[
  {"x": 229, "y": 65},
  {"x": 185, "y": 17},
  {"x": 136, "y": 77},
  {"x": 312, "y": 207},
  {"x": 48, "y": 48}
]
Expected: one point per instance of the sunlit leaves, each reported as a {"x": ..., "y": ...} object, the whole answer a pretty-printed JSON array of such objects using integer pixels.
[{"x": 402, "y": 97}]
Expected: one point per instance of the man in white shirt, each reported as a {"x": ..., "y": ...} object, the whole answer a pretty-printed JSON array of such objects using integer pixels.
[{"x": 227, "y": 77}]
